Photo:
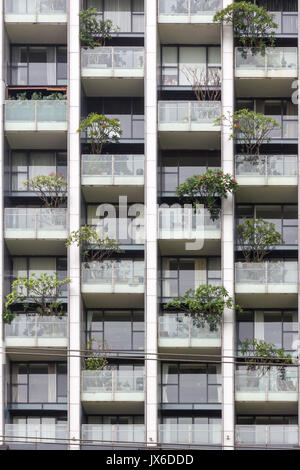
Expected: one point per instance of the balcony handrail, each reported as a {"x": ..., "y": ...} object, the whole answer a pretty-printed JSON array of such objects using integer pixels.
[
  {"x": 261, "y": 434},
  {"x": 35, "y": 327},
  {"x": 113, "y": 433},
  {"x": 35, "y": 111},
  {"x": 36, "y": 432},
  {"x": 115, "y": 57},
  {"x": 183, "y": 327},
  {"x": 261, "y": 165},
  {"x": 190, "y": 433},
  {"x": 211, "y": 6},
  {"x": 268, "y": 382},
  {"x": 266, "y": 272},
  {"x": 288, "y": 58},
  {"x": 112, "y": 381},
  {"x": 188, "y": 111},
  {"x": 54, "y": 7},
  {"x": 112, "y": 165},
  {"x": 113, "y": 272}
]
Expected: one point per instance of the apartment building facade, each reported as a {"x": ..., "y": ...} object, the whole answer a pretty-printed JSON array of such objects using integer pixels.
[{"x": 170, "y": 383}]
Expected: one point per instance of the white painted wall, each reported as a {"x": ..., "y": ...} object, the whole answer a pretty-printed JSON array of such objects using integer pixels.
[{"x": 2, "y": 350}]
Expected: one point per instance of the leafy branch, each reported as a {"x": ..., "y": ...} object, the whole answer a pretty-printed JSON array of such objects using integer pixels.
[
  {"x": 100, "y": 131},
  {"x": 52, "y": 189}
]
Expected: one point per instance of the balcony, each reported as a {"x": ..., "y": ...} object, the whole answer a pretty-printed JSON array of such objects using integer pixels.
[
  {"x": 112, "y": 389},
  {"x": 110, "y": 434},
  {"x": 110, "y": 176},
  {"x": 180, "y": 331},
  {"x": 254, "y": 71},
  {"x": 36, "y": 124},
  {"x": 273, "y": 176},
  {"x": 36, "y": 21},
  {"x": 34, "y": 331},
  {"x": 178, "y": 18},
  {"x": 188, "y": 124},
  {"x": 267, "y": 284},
  {"x": 254, "y": 386},
  {"x": 113, "y": 283},
  {"x": 33, "y": 231},
  {"x": 182, "y": 230},
  {"x": 119, "y": 71},
  {"x": 183, "y": 435},
  {"x": 37, "y": 436},
  {"x": 275, "y": 436}
]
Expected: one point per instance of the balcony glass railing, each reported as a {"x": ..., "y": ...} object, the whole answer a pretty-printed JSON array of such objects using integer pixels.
[
  {"x": 34, "y": 114},
  {"x": 185, "y": 222},
  {"x": 287, "y": 22},
  {"x": 112, "y": 381},
  {"x": 32, "y": 433},
  {"x": 188, "y": 112},
  {"x": 283, "y": 59},
  {"x": 266, "y": 435},
  {"x": 269, "y": 166},
  {"x": 35, "y": 327},
  {"x": 35, "y": 222},
  {"x": 113, "y": 58},
  {"x": 190, "y": 434},
  {"x": 113, "y": 169},
  {"x": 179, "y": 328},
  {"x": 114, "y": 273},
  {"x": 188, "y": 7},
  {"x": 265, "y": 385},
  {"x": 269, "y": 272},
  {"x": 110, "y": 433},
  {"x": 36, "y": 10}
]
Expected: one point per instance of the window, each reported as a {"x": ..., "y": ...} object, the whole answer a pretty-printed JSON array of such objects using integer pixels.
[
  {"x": 191, "y": 383},
  {"x": 127, "y": 15}
]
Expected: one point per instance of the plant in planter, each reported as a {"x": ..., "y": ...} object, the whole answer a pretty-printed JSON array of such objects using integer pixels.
[
  {"x": 52, "y": 189},
  {"x": 206, "y": 189},
  {"x": 253, "y": 25},
  {"x": 93, "y": 30},
  {"x": 256, "y": 238},
  {"x": 261, "y": 356},
  {"x": 251, "y": 129},
  {"x": 205, "y": 305},
  {"x": 100, "y": 131},
  {"x": 96, "y": 359},
  {"x": 95, "y": 247},
  {"x": 42, "y": 295}
]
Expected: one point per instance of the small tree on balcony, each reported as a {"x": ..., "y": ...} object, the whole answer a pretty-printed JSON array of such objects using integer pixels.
[
  {"x": 206, "y": 189},
  {"x": 205, "y": 305},
  {"x": 205, "y": 84},
  {"x": 253, "y": 25},
  {"x": 261, "y": 356},
  {"x": 94, "y": 31},
  {"x": 95, "y": 246},
  {"x": 52, "y": 189},
  {"x": 257, "y": 238},
  {"x": 251, "y": 129},
  {"x": 96, "y": 359},
  {"x": 39, "y": 295},
  {"x": 100, "y": 131}
]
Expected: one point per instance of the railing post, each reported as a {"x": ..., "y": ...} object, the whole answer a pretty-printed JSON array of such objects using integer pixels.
[
  {"x": 113, "y": 169},
  {"x": 190, "y": 114},
  {"x": 112, "y": 59},
  {"x": 189, "y": 10}
]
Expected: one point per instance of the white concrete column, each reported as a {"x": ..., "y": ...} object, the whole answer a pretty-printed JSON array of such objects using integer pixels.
[
  {"x": 297, "y": 97},
  {"x": 228, "y": 331},
  {"x": 74, "y": 157},
  {"x": 2, "y": 344},
  {"x": 151, "y": 281}
]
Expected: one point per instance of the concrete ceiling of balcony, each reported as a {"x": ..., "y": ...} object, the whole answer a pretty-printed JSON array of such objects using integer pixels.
[
  {"x": 266, "y": 407},
  {"x": 252, "y": 300},
  {"x": 267, "y": 194},
  {"x": 35, "y": 247},
  {"x": 112, "y": 193},
  {"x": 38, "y": 33},
  {"x": 94, "y": 300},
  {"x": 264, "y": 87},
  {"x": 115, "y": 407},
  {"x": 26, "y": 354},
  {"x": 113, "y": 86},
  {"x": 178, "y": 247},
  {"x": 189, "y": 33},
  {"x": 210, "y": 140},
  {"x": 37, "y": 140}
]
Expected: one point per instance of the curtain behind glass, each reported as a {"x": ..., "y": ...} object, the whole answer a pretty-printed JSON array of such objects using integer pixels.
[
  {"x": 41, "y": 163},
  {"x": 191, "y": 59},
  {"x": 119, "y": 12}
]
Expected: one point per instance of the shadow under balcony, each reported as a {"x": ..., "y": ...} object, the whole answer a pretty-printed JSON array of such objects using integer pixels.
[
  {"x": 189, "y": 124},
  {"x": 39, "y": 21},
  {"x": 182, "y": 19},
  {"x": 267, "y": 284},
  {"x": 36, "y": 124},
  {"x": 113, "y": 283},
  {"x": 268, "y": 75},
  {"x": 31, "y": 231},
  {"x": 117, "y": 71},
  {"x": 274, "y": 178},
  {"x": 112, "y": 176}
]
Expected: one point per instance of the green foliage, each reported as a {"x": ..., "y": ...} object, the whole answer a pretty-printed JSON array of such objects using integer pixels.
[
  {"x": 256, "y": 238},
  {"x": 205, "y": 305},
  {"x": 52, "y": 189},
  {"x": 95, "y": 363},
  {"x": 261, "y": 356},
  {"x": 94, "y": 246},
  {"x": 252, "y": 24},
  {"x": 100, "y": 131},
  {"x": 38, "y": 96},
  {"x": 206, "y": 189},
  {"x": 96, "y": 360},
  {"x": 42, "y": 295},
  {"x": 250, "y": 128},
  {"x": 93, "y": 30}
]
